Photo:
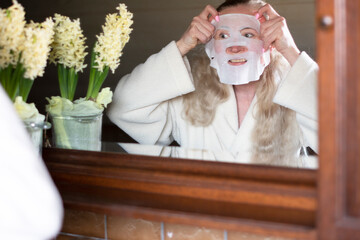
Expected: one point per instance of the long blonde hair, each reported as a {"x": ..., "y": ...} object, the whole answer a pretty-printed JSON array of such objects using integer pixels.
[
  {"x": 200, "y": 105},
  {"x": 276, "y": 136}
]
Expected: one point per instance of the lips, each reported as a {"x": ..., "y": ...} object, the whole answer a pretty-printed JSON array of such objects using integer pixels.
[{"x": 237, "y": 62}]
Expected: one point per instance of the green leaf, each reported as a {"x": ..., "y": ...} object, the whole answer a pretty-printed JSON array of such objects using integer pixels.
[
  {"x": 62, "y": 80},
  {"x": 92, "y": 76},
  {"x": 72, "y": 83},
  {"x": 25, "y": 87},
  {"x": 99, "y": 81},
  {"x": 16, "y": 75}
]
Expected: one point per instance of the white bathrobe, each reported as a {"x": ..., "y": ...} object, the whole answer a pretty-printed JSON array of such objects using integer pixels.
[
  {"x": 30, "y": 205},
  {"x": 147, "y": 106}
]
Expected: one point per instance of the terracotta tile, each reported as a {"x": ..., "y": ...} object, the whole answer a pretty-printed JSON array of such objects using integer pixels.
[
  {"x": 184, "y": 232},
  {"x": 121, "y": 228},
  {"x": 84, "y": 223},
  {"x": 67, "y": 237},
  {"x": 249, "y": 236}
]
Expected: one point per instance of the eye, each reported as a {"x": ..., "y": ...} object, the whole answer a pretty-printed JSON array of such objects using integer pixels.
[
  {"x": 221, "y": 34},
  {"x": 249, "y": 35}
]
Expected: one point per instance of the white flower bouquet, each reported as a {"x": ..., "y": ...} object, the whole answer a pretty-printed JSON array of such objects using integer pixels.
[
  {"x": 68, "y": 53},
  {"x": 24, "y": 49}
]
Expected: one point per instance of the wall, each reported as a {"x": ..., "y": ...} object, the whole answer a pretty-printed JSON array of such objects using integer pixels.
[
  {"x": 300, "y": 18},
  {"x": 156, "y": 23},
  {"x": 88, "y": 225}
]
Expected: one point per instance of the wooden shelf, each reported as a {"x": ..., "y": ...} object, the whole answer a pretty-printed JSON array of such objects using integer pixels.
[{"x": 259, "y": 199}]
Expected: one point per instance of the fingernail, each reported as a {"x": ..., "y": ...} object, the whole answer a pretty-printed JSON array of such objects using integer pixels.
[
  {"x": 257, "y": 16},
  {"x": 217, "y": 18}
]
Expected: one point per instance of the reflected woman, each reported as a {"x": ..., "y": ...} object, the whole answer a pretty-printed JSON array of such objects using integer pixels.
[{"x": 246, "y": 89}]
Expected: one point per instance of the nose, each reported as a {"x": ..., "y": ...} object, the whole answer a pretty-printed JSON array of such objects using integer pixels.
[{"x": 236, "y": 49}]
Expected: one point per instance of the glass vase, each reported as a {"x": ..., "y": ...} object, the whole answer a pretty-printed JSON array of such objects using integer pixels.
[
  {"x": 77, "y": 132},
  {"x": 35, "y": 130}
]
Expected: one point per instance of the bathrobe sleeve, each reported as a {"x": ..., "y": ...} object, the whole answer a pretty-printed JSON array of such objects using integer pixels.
[
  {"x": 141, "y": 105},
  {"x": 298, "y": 91},
  {"x": 30, "y": 205}
]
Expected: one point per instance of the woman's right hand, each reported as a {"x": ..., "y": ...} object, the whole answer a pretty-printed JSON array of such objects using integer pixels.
[{"x": 200, "y": 30}]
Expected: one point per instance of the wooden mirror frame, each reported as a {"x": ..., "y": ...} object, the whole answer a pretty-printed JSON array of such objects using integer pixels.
[{"x": 293, "y": 203}]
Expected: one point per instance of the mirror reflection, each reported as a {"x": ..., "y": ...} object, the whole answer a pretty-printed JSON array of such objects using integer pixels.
[
  {"x": 189, "y": 94},
  {"x": 310, "y": 162},
  {"x": 235, "y": 82}
]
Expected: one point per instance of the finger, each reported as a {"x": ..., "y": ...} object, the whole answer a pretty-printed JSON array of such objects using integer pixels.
[
  {"x": 271, "y": 23},
  {"x": 268, "y": 10},
  {"x": 208, "y": 10},
  {"x": 262, "y": 19},
  {"x": 202, "y": 37},
  {"x": 205, "y": 31},
  {"x": 272, "y": 34},
  {"x": 199, "y": 32},
  {"x": 204, "y": 24}
]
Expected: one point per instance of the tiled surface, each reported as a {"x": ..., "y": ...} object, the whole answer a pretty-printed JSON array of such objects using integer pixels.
[
  {"x": 120, "y": 228},
  {"x": 81, "y": 225},
  {"x": 84, "y": 223},
  {"x": 184, "y": 232},
  {"x": 247, "y": 236},
  {"x": 64, "y": 237},
  {"x": 67, "y": 237}
]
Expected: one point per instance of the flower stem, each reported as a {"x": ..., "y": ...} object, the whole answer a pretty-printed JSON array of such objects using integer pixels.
[
  {"x": 72, "y": 83},
  {"x": 7, "y": 72},
  {"x": 68, "y": 79},
  {"x": 92, "y": 74},
  {"x": 17, "y": 76},
  {"x": 62, "y": 81},
  {"x": 3, "y": 79},
  {"x": 99, "y": 81},
  {"x": 24, "y": 88}
]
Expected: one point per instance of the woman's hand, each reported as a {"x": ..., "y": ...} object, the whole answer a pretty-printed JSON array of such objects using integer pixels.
[
  {"x": 275, "y": 33},
  {"x": 200, "y": 30}
]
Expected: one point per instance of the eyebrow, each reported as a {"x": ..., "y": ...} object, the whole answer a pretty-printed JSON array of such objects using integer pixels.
[
  {"x": 248, "y": 28},
  {"x": 228, "y": 28}
]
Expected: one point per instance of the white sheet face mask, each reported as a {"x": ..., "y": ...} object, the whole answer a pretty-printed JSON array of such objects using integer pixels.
[{"x": 237, "y": 56}]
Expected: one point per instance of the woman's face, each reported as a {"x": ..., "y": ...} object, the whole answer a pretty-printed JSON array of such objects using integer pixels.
[
  {"x": 229, "y": 29},
  {"x": 236, "y": 51}
]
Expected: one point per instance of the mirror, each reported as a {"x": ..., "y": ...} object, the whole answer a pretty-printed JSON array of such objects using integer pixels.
[
  {"x": 184, "y": 153},
  {"x": 151, "y": 18}
]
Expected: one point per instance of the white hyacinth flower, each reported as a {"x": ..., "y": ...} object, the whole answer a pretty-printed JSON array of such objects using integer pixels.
[
  {"x": 12, "y": 22},
  {"x": 69, "y": 43},
  {"x": 36, "y": 48},
  {"x": 112, "y": 40}
]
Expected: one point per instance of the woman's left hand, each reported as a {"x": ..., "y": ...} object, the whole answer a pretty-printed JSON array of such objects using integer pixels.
[{"x": 275, "y": 33}]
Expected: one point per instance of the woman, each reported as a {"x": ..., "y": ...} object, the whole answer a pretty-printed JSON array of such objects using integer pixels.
[{"x": 259, "y": 119}]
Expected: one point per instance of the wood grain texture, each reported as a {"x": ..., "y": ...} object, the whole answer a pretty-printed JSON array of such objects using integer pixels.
[
  {"x": 339, "y": 203},
  {"x": 258, "y": 199},
  {"x": 328, "y": 144}
]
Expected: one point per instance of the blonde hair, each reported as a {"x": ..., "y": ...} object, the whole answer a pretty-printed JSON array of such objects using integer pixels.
[
  {"x": 276, "y": 135},
  {"x": 200, "y": 106}
]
